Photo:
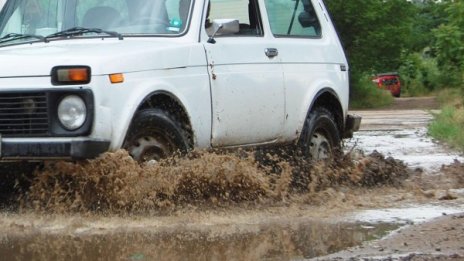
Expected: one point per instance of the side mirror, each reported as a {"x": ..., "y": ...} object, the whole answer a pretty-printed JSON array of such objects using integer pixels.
[
  {"x": 306, "y": 19},
  {"x": 223, "y": 27}
]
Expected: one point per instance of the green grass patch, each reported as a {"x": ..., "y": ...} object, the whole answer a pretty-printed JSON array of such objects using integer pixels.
[{"x": 448, "y": 126}]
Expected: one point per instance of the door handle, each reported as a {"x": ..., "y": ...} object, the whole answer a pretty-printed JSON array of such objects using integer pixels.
[{"x": 271, "y": 52}]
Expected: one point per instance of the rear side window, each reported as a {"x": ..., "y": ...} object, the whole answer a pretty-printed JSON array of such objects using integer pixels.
[{"x": 293, "y": 18}]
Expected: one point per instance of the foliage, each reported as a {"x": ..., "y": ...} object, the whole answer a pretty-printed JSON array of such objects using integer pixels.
[
  {"x": 449, "y": 46},
  {"x": 419, "y": 74},
  {"x": 448, "y": 125},
  {"x": 438, "y": 60},
  {"x": 422, "y": 39},
  {"x": 429, "y": 14},
  {"x": 449, "y": 97},
  {"x": 367, "y": 95},
  {"x": 373, "y": 32}
]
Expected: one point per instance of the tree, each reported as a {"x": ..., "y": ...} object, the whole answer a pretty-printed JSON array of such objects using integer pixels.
[
  {"x": 373, "y": 32},
  {"x": 429, "y": 15},
  {"x": 449, "y": 45}
]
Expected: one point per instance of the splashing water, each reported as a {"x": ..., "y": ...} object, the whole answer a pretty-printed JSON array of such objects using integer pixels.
[{"x": 115, "y": 183}]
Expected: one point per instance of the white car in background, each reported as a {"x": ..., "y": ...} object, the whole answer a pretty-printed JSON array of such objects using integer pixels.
[{"x": 81, "y": 77}]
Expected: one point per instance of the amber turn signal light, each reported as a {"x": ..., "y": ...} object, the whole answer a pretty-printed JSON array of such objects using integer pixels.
[
  {"x": 117, "y": 78},
  {"x": 70, "y": 75}
]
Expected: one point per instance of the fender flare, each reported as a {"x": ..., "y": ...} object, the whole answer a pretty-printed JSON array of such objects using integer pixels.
[{"x": 341, "y": 120}]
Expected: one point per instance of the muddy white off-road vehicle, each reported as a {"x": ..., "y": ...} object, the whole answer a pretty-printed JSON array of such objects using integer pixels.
[{"x": 81, "y": 77}]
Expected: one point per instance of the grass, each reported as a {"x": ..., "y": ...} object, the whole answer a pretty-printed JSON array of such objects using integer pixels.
[{"x": 448, "y": 126}]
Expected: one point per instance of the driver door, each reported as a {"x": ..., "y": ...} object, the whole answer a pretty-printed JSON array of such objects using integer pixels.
[{"x": 247, "y": 86}]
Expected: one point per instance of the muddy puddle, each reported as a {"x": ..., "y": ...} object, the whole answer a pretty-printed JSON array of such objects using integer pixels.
[{"x": 260, "y": 242}]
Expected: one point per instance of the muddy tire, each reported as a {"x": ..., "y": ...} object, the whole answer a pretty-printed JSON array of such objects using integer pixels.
[
  {"x": 320, "y": 139},
  {"x": 155, "y": 134}
]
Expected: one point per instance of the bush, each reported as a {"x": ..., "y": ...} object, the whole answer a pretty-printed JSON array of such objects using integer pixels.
[
  {"x": 365, "y": 94},
  {"x": 420, "y": 75}
]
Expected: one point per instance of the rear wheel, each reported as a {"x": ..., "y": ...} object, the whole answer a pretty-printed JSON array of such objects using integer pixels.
[
  {"x": 155, "y": 134},
  {"x": 320, "y": 139}
]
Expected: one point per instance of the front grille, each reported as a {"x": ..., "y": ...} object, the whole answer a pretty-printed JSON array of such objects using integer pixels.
[{"x": 24, "y": 114}]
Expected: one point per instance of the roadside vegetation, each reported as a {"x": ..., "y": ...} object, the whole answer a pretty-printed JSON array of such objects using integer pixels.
[
  {"x": 422, "y": 40},
  {"x": 367, "y": 96},
  {"x": 449, "y": 124}
]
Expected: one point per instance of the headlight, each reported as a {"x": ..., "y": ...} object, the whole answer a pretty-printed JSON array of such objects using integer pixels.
[{"x": 72, "y": 112}]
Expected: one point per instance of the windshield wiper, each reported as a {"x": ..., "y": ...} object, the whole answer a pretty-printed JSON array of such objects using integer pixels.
[
  {"x": 75, "y": 31},
  {"x": 15, "y": 36}
]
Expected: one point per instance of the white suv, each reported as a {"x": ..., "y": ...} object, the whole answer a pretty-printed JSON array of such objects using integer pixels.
[{"x": 81, "y": 77}]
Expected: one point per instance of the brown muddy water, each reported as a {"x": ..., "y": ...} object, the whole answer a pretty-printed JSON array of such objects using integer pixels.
[
  {"x": 60, "y": 212},
  {"x": 116, "y": 184},
  {"x": 261, "y": 242}
]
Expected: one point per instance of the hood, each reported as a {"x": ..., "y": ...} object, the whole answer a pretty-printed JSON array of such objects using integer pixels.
[{"x": 104, "y": 56}]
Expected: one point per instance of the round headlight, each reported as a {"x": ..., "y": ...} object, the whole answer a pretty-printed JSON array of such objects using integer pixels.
[{"x": 72, "y": 112}]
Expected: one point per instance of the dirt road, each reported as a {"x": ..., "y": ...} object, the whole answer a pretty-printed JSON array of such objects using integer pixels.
[
  {"x": 400, "y": 131},
  {"x": 299, "y": 226}
]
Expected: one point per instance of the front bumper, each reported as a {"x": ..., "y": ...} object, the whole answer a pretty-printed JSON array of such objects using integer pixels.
[
  {"x": 17, "y": 149},
  {"x": 352, "y": 124}
]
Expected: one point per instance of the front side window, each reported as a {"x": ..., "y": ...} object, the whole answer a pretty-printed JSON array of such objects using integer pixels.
[
  {"x": 293, "y": 18},
  {"x": 40, "y": 18},
  {"x": 245, "y": 11}
]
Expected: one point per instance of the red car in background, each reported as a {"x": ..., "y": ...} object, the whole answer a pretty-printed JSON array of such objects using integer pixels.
[{"x": 390, "y": 82}]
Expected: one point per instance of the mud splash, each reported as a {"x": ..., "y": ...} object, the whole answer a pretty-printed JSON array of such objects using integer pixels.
[
  {"x": 456, "y": 172},
  {"x": 115, "y": 183}
]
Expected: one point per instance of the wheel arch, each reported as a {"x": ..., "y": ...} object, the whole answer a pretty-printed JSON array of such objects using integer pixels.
[
  {"x": 328, "y": 98},
  {"x": 167, "y": 101}
]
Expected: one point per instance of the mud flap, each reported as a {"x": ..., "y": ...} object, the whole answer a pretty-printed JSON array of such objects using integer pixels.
[{"x": 352, "y": 124}]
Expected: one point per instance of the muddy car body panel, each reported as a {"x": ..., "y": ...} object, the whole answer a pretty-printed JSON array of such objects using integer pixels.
[{"x": 221, "y": 79}]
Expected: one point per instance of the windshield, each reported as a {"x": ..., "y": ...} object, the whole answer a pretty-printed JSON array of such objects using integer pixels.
[{"x": 33, "y": 19}]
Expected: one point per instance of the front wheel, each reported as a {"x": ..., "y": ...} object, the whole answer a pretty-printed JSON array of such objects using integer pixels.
[
  {"x": 155, "y": 134},
  {"x": 320, "y": 139}
]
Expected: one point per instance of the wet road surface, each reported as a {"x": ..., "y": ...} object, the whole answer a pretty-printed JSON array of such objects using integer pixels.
[{"x": 402, "y": 134}]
